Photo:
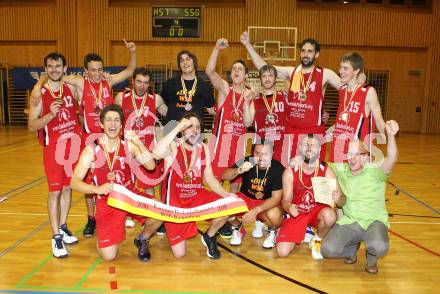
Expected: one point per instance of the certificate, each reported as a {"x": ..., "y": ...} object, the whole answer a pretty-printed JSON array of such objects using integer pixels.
[{"x": 323, "y": 189}]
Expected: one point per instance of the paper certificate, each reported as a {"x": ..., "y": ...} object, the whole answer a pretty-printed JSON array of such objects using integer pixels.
[{"x": 323, "y": 189}]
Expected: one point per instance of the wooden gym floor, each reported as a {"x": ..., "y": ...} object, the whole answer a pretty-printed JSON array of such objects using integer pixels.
[{"x": 27, "y": 266}]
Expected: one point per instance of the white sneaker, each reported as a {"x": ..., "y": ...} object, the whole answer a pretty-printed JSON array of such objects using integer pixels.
[
  {"x": 68, "y": 237},
  {"x": 309, "y": 234},
  {"x": 259, "y": 229},
  {"x": 237, "y": 235},
  {"x": 270, "y": 240},
  {"x": 315, "y": 245},
  {"x": 58, "y": 248},
  {"x": 129, "y": 223}
]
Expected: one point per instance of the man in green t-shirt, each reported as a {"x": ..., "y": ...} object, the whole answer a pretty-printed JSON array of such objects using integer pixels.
[{"x": 365, "y": 216}]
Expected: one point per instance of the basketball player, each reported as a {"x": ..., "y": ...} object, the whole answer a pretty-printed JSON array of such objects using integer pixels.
[
  {"x": 52, "y": 114},
  {"x": 299, "y": 201},
  {"x": 365, "y": 218},
  {"x": 261, "y": 189},
  {"x": 305, "y": 103},
  {"x": 187, "y": 92},
  {"x": 234, "y": 113},
  {"x": 187, "y": 167},
  {"x": 359, "y": 109},
  {"x": 95, "y": 94},
  {"x": 108, "y": 159}
]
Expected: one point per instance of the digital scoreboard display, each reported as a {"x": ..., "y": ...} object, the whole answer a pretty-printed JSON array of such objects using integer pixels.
[{"x": 176, "y": 22}]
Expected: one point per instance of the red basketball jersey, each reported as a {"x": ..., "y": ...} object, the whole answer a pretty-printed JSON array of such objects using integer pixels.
[
  {"x": 306, "y": 114},
  {"x": 267, "y": 126},
  {"x": 88, "y": 107},
  {"x": 175, "y": 190},
  {"x": 144, "y": 125},
  {"x": 351, "y": 122},
  {"x": 303, "y": 196},
  {"x": 65, "y": 124}
]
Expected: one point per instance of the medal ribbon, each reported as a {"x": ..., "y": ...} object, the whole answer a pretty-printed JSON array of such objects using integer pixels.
[
  {"x": 139, "y": 112},
  {"x": 309, "y": 80},
  {"x": 60, "y": 96},
  {"x": 96, "y": 98},
  {"x": 111, "y": 163},
  {"x": 274, "y": 98},
  {"x": 188, "y": 167},
  {"x": 260, "y": 186},
  {"x": 239, "y": 100},
  {"x": 301, "y": 175},
  {"x": 193, "y": 89},
  {"x": 351, "y": 97}
]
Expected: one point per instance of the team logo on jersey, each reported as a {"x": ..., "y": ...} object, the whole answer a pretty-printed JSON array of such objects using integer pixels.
[
  {"x": 271, "y": 118},
  {"x": 307, "y": 201},
  {"x": 63, "y": 115},
  {"x": 119, "y": 177}
]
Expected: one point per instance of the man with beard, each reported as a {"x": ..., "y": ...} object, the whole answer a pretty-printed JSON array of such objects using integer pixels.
[
  {"x": 108, "y": 159},
  {"x": 187, "y": 92},
  {"x": 95, "y": 94},
  {"x": 305, "y": 102},
  {"x": 234, "y": 113},
  {"x": 359, "y": 109},
  {"x": 365, "y": 218},
  {"x": 299, "y": 201},
  {"x": 261, "y": 189},
  {"x": 187, "y": 168},
  {"x": 52, "y": 114}
]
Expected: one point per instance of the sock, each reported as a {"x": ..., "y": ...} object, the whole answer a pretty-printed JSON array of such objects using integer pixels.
[
  {"x": 57, "y": 236},
  {"x": 91, "y": 217},
  {"x": 63, "y": 227}
]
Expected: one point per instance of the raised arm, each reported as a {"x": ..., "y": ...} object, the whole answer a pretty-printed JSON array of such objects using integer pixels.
[
  {"x": 77, "y": 183},
  {"x": 283, "y": 72},
  {"x": 118, "y": 98},
  {"x": 374, "y": 106},
  {"x": 392, "y": 127},
  {"x": 217, "y": 82},
  {"x": 139, "y": 151},
  {"x": 164, "y": 146},
  {"x": 249, "y": 108},
  {"x": 161, "y": 107},
  {"x": 232, "y": 172},
  {"x": 330, "y": 77},
  {"x": 128, "y": 71}
]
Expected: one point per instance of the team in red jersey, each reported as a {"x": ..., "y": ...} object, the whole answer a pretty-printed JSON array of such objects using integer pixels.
[
  {"x": 52, "y": 114},
  {"x": 358, "y": 112},
  {"x": 109, "y": 160},
  {"x": 235, "y": 111},
  {"x": 299, "y": 201}
]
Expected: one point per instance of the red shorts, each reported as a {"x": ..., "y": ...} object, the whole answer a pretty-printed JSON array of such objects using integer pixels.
[
  {"x": 110, "y": 221},
  {"x": 297, "y": 135},
  {"x": 250, "y": 203},
  {"x": 292, "y": 229},
  {"x": 177, "y": 233},
  {"x": 59, "y": 162}
]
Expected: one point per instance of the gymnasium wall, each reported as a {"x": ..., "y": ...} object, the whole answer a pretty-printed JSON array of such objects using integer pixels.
[{"x": 398, "y": 41}]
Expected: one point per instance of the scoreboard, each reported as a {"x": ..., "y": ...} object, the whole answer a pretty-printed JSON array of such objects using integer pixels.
[{"x": 176, "y": 22}]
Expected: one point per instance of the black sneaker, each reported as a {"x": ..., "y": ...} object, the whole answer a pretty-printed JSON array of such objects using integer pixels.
[
  {"x": 161, "y": 230},
  {"x": 226, "y": 231},
  {"x": 211, "y": 246},
  {"x": 144, "y": 251},
  {"x": 90, "y": 227}
]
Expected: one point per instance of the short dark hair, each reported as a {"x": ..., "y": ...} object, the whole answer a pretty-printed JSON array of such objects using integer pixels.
[
  {"x": 190, "y": 55},
  {"x": 355, "y": 59},
  {"x": 111, "y": 107},
  {"x": 268, "y": 68},
  {"x": 55, "y": 56},
  {"x": 246, "y": 69},
  {"x": 313, "y": 42},
  {"x": 190, "y": 114},
  {"x": 263, "y": 142},
  {"x": 91, "y": 57},
  {"x": 141, "y": 71}
]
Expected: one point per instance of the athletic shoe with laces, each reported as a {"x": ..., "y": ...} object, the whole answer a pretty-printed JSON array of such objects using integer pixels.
[
  {"x": 143, "y": 252},
  {"x": 315, "y": 246},
  {"x": 258, "y": 232},
  {"x": 90, "y": 227},
  {"x": 58, "y": 248},
  {"x": 308, "y": 235},
  {"x": 225, "y": 231},
  {"x": 68, "y": 237},
  {"x": 211, "y": 246},
  {"x": 269, "y": 242},
  {"x": 129, "y": 222},
  {"x": 237, "y": 235}
]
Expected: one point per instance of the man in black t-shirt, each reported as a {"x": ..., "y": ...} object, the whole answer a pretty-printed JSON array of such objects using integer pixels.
[
  {"x": 186, "y": 92},
  {"x": 261, "y": 189}
]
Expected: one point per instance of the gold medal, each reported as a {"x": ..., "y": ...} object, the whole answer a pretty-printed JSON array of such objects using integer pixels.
[
  {"x": 235, "y": 117},
  {"x": 270, "y": 117},
  {"x": 344, "y": 116},
  {"x": 303, "y": 96},
  {"x": 187, "y": 178},
  {"x": 188, "y": 94},
  {"x": 97, "y": 110},
  {"x": 59, "y": 97},
  {"x": 111, "y": 176},
  {"x": 305, "y": 86},
  {"x": 188, "y": 106},
  {"x": 139, "y": 122},
  {"x": 97, "y": 98},
  {"x": 139, "y": 112},
  {"x": 259, "y": 195}
]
